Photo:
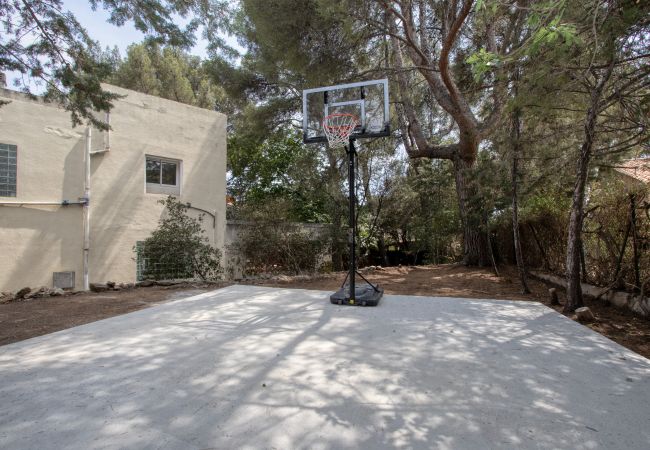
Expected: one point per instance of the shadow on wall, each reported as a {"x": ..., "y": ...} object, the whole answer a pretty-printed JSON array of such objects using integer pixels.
[
  {"x": 228, "y": 370},
  {"x": 46, "y": 239},
  {"x": 73, "y": 170},
  {"x": 40, "y": 241},
  {"x": 128, "y": 214},
  {"x": 114, "y": 211}
]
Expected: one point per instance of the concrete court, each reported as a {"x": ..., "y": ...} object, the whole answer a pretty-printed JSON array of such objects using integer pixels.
[{"x": 255, "y": 367}]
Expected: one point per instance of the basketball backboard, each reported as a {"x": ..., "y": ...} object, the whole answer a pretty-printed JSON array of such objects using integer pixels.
[{"x": 367, "y": 100}]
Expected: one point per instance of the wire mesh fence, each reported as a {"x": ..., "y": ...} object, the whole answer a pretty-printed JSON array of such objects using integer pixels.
[
  {"x": 156, "y": 262},
  {"x": 615, "y": 241}
]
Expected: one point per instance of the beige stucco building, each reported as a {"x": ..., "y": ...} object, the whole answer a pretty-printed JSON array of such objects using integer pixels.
[{"x": 155, "y": 147}]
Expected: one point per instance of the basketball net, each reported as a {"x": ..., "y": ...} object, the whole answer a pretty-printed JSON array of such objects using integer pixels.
[{"x": 338, "y": 128}]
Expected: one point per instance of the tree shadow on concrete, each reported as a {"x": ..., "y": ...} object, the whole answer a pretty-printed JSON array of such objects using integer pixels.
[{"x": 247, "y": 367}]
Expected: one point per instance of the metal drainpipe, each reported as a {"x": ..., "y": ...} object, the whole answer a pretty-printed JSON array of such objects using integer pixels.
[
  {"x": 86, "y": 210},
  {"x": 61, "y": 203}
]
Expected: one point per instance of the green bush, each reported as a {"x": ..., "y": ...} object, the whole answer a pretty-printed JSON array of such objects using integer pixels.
[
  {"x": 276, "y": 247},
  {"x": 178, "y": 248}
]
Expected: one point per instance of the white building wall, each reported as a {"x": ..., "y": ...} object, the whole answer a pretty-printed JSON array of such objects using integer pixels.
[{"x": 37, "y": 241}]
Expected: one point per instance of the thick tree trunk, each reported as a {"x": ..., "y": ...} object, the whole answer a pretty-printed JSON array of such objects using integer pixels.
[
  {"x": 476, "y": 251},
  {"x": 462, "y": 154},
  {"x": 516, "y": 134},
  {"x": 438, "y": 75},
  {"x": 576, "y": 218},
  {"x": 583, "y": 263},
  {"x": 574, "y": 289}
]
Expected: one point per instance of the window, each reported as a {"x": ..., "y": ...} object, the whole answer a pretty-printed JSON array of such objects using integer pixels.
[
  {"x": 8, "y": 170},
  {"x": 163, "y": 175}
]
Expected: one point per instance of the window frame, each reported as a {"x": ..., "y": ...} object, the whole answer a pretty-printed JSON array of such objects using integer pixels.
[
  {"x": 15, "y": 148},
  {"x": 160, "y": 188}
]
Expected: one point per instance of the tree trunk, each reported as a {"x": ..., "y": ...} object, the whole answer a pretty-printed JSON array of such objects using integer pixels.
[
  {"x": 463, "y": 154},
  {"x": 635, "y": 245},
  {"x": 475, "y": 243},
  {"x": 546, "y": 262},
  {"x": 583, "y": 263},
  {"x": 382, "y": 250},
  {"x": 619, "y": 261},
  {"x": 490, "y": 246},
  {"x": 574, "y": 289},
  {"x": 516, "y": 134},
  {"x": 576, "y": 218}
]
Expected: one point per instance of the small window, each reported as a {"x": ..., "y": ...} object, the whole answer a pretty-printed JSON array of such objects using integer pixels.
[
  {"x": 8, "y": 163},
  {"x": 163, "y": 175}
]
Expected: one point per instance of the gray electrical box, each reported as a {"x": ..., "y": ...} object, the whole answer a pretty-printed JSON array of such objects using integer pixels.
[{"x": 63, "y": 280}]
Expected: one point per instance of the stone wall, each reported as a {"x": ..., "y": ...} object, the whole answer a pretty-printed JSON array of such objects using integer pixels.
[{"x": 234, "y": 261}]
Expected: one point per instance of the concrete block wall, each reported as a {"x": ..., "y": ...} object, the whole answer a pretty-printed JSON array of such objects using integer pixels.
[{"x": 235, "y": 261}]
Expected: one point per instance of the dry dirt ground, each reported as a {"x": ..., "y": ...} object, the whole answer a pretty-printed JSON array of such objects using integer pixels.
[
  {"x": 35, "y": 317},
  {"x": 21, "y": 320}
]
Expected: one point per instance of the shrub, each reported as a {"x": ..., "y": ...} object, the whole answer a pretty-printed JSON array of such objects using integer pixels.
[
  {"x": 178, "y": 248},
  {"x": 277, "y": 247}
]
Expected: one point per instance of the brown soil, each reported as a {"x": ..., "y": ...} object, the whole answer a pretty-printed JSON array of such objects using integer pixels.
[{"x": 25, "y": 319}]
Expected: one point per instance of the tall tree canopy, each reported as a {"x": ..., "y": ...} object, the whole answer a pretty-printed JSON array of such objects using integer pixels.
[
  {"x": 452, "y": 63},
  {"x": 422, "y": 45},
  {"x": 52, "y": 50},
  {"x": 169, "y": 72},
  {"x": 510, "y": 107}
]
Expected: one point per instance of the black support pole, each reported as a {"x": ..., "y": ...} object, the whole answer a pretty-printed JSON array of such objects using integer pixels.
[
  {"x": 367, "y": 294},
  {"x": 352, "y": 226}
]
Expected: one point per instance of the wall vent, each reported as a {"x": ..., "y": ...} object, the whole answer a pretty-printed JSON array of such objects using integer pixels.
[{"x": 63, "y": 280}]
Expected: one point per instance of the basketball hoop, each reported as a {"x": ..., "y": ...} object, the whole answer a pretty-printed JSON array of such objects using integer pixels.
[
  {"x": 338, "y": 128},
  {"x": 326, "y": 118}
]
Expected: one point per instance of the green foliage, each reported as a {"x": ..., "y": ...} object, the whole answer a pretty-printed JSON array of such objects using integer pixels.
[
  {"x": 270, "y": 244},
  {"x": 278, "y": 168},
  {"x": 171, "y": 73},
  {"x": 290, "y": 45},
  {"x": 548, "y": 30},
  {"x": 158, "y": 19},
  {"x": 606, "y": 225},
  {"x": 490, "y": 187},
  {"x": 420, "y": 214},
  {"x": 482, "y": 62},
  {"x": 50, "y": 49},
  {"x": 554, "y": 34},
  {"x": 289, "y": 38},
  {"x": 178, "y": 248},
  {"x": 543, "y": 203}
]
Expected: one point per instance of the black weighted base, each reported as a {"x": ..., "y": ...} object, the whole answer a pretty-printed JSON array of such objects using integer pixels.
[{"x": 365, "y": 295}]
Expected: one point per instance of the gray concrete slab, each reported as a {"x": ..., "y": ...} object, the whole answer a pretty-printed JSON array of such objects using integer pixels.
[{"x": 254, "y": 367}]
